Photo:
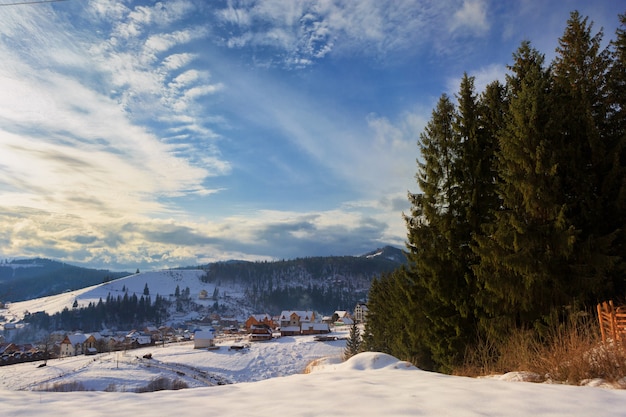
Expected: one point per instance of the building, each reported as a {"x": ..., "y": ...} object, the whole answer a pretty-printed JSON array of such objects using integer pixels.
[
  {"x": 72, "y": 345},
  {"x": 203, "y": 338},
  {"x": 260, "y": 319},
  {"x": 360, "y": 313},
  {"x": 295, "y": 323}
]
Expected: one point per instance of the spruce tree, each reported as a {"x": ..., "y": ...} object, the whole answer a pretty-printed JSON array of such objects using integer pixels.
[
  {"x": 615, "y": 184},
  {"x": 354, "y": 342},
  {"x": 523, "y": 252},
  {"x": 441, "y": 283},
  {"x": 580, "y": 72}
]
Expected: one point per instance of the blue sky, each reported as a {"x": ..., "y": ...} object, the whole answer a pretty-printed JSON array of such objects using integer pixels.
[{"x": 143, "y": 134}]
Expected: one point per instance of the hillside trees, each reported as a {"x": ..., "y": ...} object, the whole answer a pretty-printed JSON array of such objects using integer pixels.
[{"x": 521, "y": 205}]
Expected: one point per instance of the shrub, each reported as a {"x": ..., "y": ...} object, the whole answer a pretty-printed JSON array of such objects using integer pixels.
[
  {"x": 570, "y": 352},
  {"x": 161, "y": 384}
]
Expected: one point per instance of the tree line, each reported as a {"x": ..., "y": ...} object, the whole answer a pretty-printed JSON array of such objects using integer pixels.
[
  {"x": 121, "y": 312},
  {"x": 522, "y": 204}
]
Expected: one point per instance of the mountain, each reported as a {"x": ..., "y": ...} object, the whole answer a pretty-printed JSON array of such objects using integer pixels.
[
  {"x": 324, "y": 284},
  {"x": 32, "y": 278},
  {"x": 387, "y": 252},
  {"x": 321, "y": 284}
]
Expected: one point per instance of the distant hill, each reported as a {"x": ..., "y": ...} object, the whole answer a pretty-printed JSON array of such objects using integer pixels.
[
  {"x": 233, "y": 288},
  {"x": 33, "y": 278},
  {"x": 387, "y": 252},
  {"x": 323, "y": 283}
]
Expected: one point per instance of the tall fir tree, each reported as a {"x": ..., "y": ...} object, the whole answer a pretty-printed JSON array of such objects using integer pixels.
[
  {"x": 441, "y": 283},
  {"x": 615, "y": 185},
  {"x": 522, "y": 204},
  {"x": 525, "y": 250},
  {"x": 580, "y": 72}
]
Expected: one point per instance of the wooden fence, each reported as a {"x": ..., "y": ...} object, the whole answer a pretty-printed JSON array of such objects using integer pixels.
[{"x": 612, "y": 321}]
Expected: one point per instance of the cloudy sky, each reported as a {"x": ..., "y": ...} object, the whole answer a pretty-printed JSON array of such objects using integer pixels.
[{"x": 144, "y": 134}]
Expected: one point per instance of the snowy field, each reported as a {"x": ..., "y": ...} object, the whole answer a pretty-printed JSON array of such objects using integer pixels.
[
  {"x": 127, "y": 371},
  {"x": 369, "y": 384},
  {"x": 268, "y": 378}
]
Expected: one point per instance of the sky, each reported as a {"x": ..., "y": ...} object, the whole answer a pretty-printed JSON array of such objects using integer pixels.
[{"x": 149, "y": 135}]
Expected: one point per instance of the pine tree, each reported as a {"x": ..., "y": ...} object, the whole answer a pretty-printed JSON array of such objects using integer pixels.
[
  {"x": 615, "y": 185},
  {"x": 525, "y": 249},
  {"x": 580, "y": 72},
  {"x": 441, "y": 281},
  {"x": 354, "y": 342}
]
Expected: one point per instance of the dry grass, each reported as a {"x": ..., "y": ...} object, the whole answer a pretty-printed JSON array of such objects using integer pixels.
[
  {"x": 71, "y": 386},
  {"x": 570, "y": 353}
]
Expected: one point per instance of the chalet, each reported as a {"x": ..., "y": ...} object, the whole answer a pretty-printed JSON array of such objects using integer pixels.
[
  {"x": 136, "y": 339},
  {"x": 315, "y": 328},
  {"x": 260, "y": 332},
  {"x": 72, "y": 345},
  {"x": 360, "y": 313},
  {"x": 115, "y": 342},
  {"x": 260, "y": 319},
  {"x": 291, "y": 322},
  {"x": 344, "y": 321},
  {"x": 153, "y": 332},
  {"x": 90, "y": 344}
]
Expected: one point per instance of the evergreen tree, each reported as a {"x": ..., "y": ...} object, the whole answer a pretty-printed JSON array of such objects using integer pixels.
[
  {"x": 353, "y": 344},
  {"x": 524, "y": 251},
  {"x": 441, "y": 281},
  {"x": 615, "y": 185},
  {"x": 580, "y": 72},
  {"x": 146, "y": 290}
]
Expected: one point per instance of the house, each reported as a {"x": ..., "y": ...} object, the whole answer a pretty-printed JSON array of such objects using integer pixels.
[
  {"x": 115, "y": 342},
  {"x": 203, "y": 295},
  {"x": 360, "y": 313},
  {"x": 259, "y": 319},
  {"x": 136, "y": 339},
  {"x": 72, "y": 345},
  {"x": 315, "y": 328},
  {"x": 344, "y": 321},
  {"x": 291, "y": 322},
  {"x": 260, "y": 332},
  {"x": 204, "y": 338},
  {"x": 90, "y": 344},
  {"x": 153, "y": 332},
  {"x": 340, "y": 314}
]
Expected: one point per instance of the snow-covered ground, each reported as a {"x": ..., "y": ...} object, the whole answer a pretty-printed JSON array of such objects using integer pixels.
[
  {"x": 163, "y": 283},
  {"x": 127, "y": 371},
  {"x": 268, "y": 378},
  {"x": 369, "y": 384}
]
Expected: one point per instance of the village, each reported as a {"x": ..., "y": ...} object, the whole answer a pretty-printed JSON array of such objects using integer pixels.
[{"x": 205, "y": 333}]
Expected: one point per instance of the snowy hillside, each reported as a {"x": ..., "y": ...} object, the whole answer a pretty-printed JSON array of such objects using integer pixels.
[{"x": 163, "y": 283}]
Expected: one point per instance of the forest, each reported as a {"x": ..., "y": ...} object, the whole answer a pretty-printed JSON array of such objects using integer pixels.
[{"x": 519, "y": 221}]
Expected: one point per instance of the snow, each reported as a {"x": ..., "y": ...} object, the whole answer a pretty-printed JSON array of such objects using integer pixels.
[
  {"x": 369, "y": 384},
  {"x": 287, "y": 376},
  {"x": 269, "y": 379},
  {"x": 163, "y": 283}
]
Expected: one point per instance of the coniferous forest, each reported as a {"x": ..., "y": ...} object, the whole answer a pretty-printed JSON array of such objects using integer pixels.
[{"x": 521, "y": 214}]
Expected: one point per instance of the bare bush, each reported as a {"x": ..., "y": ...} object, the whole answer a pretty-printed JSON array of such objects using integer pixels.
[
  {"x": 571, "y": 352},
  {"x": 161, "y": 384},
  {"x": 64, "y": 387}
]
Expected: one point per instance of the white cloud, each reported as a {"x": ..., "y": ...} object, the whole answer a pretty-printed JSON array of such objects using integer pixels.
[
  {"x": 472, "y": 16},
  {"x": 311, "y": 29}
]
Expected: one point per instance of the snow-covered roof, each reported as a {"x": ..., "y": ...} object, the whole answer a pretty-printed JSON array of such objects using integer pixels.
[
  {"x": 303, "y": 315},
  {"x": 77, "y": 338}
]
